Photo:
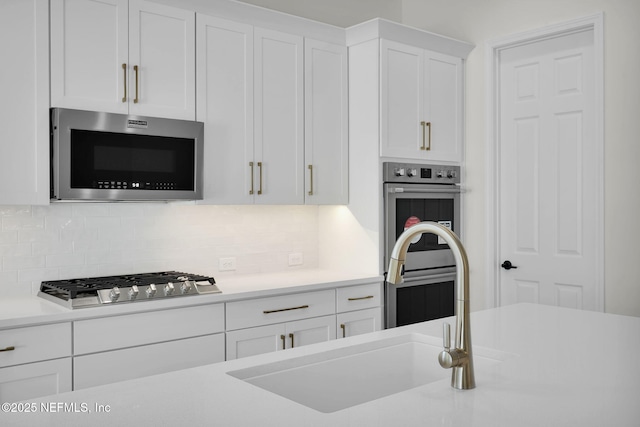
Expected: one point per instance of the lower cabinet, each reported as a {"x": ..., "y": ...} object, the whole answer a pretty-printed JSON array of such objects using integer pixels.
[
  {"x": 34, "y": 380},
  {"x": 281, "y": 336},
  {"x": 119, "y": 365},
  {"x": 359, "y": 322}
]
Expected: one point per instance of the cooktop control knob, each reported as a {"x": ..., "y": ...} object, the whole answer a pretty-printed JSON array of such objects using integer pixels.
[
  {"x": 114, "y": 294},
  {"x": 151, "y": 291},
  {"x": 398, "y": 171},
  {"x": 133, "y": 292},
  {"x": 168, "y": 289},
  {"x": 185, "y": 287}
]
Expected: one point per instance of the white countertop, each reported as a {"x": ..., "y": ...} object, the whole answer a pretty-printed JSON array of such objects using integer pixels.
[
  {"x": 33, "y": 310},
  {"x": 568, "y": 368}
]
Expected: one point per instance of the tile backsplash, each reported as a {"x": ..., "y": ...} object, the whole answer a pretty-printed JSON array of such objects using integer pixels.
[{"x": 67, "y": 240}]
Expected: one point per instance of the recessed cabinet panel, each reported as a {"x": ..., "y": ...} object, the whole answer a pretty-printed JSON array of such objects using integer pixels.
[
  {"x": 34, "y": 380},
  {"x": 359, "y": 322},
  {"x": 35, "y": 343}
]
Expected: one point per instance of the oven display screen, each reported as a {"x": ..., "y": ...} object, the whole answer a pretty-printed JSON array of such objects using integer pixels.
[{"x": 438, "y": 210}]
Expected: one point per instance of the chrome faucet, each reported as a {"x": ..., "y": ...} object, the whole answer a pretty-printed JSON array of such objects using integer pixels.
[{"x": 460, "y": 358}]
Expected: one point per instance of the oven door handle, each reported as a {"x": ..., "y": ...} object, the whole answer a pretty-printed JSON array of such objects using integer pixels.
[
  {"x": 450, "y": 189},
  {"x": 431, "y": 278}
]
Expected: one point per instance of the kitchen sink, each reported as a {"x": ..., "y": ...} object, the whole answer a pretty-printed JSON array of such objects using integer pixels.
[{"x": 337, "y": 379}]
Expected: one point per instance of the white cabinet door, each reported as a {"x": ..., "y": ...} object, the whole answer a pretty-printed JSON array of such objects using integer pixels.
[
  {"x": 34, "y": 380},
  {"x": 359, "y": 322},
  {"x": 421, "y": 104},
  {"x": 443, "y": 106},
  {"x": 258, "y": 340},
  {"x": 225, "y": 105},
  {"x": 89, "y": 54},
  {"x": 278, "y": 114},
  {"x": 120, "y": 56},
  {"x": 162, "y": 46},
  {"x": 24, "y": 84},
  {"x": 311, "y": 331},
  {"x": 326, "y": 123},
  {"x": 136, "y": 362},
  {"x": 401, "y": 108}
]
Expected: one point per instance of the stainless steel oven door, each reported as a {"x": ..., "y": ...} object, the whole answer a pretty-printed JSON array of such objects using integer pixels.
[
  {"x": 420, "y": 298},
  {"x": 407, "y": 204}
]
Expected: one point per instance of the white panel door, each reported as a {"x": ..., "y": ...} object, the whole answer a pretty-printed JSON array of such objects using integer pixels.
[
  {"x": 279, "y": 118},
  {"x": 359, "y": 322},
  {"x": 258, "y": 340},
  {"x": 24, "y": 84},
  {"x": 443, "y": 106},
  {"x": 33, "y": 380},
  {"x": 401, "y": 108},
  {"x": 326, "y": 123},
  {"x": 162, "y": 46},
  {"x": 311, "y": 331},
  {"x": 225, "y": 105},
  {"x": 548, "y": 197},
  {"x": 89, "y": 47}
]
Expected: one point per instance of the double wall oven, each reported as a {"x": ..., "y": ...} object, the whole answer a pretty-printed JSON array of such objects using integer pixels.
[{"x": 415, "y": 193}]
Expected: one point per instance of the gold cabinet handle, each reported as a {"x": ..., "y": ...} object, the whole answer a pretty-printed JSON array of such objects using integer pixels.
[
  {"x": 10, "y": 348},
  {"x": 285, "y": 309},
  {"x": 124, "y": 72},
  {"x": 291, "y": 336},
  {"x": 260, "y": 172},
  {"x": 251, "y": 166},
  {"x": 360, "y": 298},
  {"x": 344, "y": 330},
  {"x": 283, "y": 341},
  {"x": 311, "y": 180},
  {"x": 135, "y": 68},
  {"x": 429, "y": 127},
  {"x": 424, "y": 142}
]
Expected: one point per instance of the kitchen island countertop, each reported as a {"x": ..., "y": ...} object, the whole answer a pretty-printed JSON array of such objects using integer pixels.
[{"x": 563, "y": 367}]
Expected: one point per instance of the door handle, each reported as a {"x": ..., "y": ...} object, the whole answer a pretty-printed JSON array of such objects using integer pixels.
[
  {"x": 136, "y": 99},
  {"x": 124, "y": 71},
  {"x": 507, "y": 265}
]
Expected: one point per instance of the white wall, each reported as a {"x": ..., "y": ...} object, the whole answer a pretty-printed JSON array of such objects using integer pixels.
[
  {"x": 71, "y": 240},
  {"x": 478, "y": 21}
]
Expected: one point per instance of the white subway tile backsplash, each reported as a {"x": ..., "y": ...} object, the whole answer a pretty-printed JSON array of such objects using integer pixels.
[{"x": 66, "y": 240}]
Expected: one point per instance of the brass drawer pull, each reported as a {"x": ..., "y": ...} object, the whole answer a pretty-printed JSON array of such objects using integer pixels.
[
  {"x": 285, "y": 309},
  {"x": 360, "y": 298},
  {"x": 311, "y": 180},
  {"x": 260, "y": 170},
  {"x": 251, "y": 165},
  {"x": 124, "y": 71},
  {"x": 291, "y": 336},
  {"x": 11, "y": 348},
  {"x": 424, "y": 145},
  {"x": 283, "y": 341},
  {"x": 135, "y": 68},
  {"x": 344, "y": 330}
]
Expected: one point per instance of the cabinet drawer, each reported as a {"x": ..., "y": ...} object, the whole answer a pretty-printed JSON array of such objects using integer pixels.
[
  {"x": 120, "y": 365},
  {"x": 110, "y": 333},
  {"x": 35, "y": 343},
  {"x": 266, "y": 311},
  {"x": 359, "y": 297},
  {"x": 35, "y": 380}
]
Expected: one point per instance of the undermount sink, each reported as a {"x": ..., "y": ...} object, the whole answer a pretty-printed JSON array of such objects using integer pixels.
[{"x": 337, "y": 379}]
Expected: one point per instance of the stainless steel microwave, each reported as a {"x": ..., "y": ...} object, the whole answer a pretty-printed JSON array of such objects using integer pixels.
[{"x": 104, "y": 156}]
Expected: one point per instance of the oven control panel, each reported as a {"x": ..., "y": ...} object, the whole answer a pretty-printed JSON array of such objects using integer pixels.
[{"x": 421, "y": 173}]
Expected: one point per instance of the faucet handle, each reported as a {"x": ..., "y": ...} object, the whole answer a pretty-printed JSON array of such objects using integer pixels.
[{"x": 446, "y": 336}]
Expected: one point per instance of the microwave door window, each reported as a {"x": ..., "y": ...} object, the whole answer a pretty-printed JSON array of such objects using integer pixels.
[
  {"x": 410, "y": 211},
  {"x": 100, "y": 160}
]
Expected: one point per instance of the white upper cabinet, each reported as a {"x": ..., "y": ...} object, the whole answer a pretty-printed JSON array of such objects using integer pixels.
[
  {"x": 225, "y": 105},
  {"x": 24, "y": 84},
  {"x": 250, "y": 97},
  {"x": 123, "y": 56},
  {"x": 326, "y": 123},
  {"x": 421, "y": 103},
  {"x": 279, "y": 118}
]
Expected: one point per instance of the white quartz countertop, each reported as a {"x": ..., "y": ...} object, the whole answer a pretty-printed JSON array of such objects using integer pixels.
[
  {"x": 33, "y": 310},
  {"x": 565, "y": 368}
]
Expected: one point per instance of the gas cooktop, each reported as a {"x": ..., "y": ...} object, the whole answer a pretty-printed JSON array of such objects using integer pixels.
[{"x": 97, "y": 291}]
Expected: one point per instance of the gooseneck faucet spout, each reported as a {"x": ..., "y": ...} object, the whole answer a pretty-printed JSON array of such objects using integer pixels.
[{"x": 460, "y": 358}]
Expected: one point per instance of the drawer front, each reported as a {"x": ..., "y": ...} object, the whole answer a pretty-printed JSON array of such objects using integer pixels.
[
  {"x": 284, "y": 308},
  {"x": 35, "y": 343},
  {"x": 35, "y": 380},
  {"x": 359, "y": 297},
  {"x": 120, "y": 365},
  {"x": 110, "y": 333}
]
